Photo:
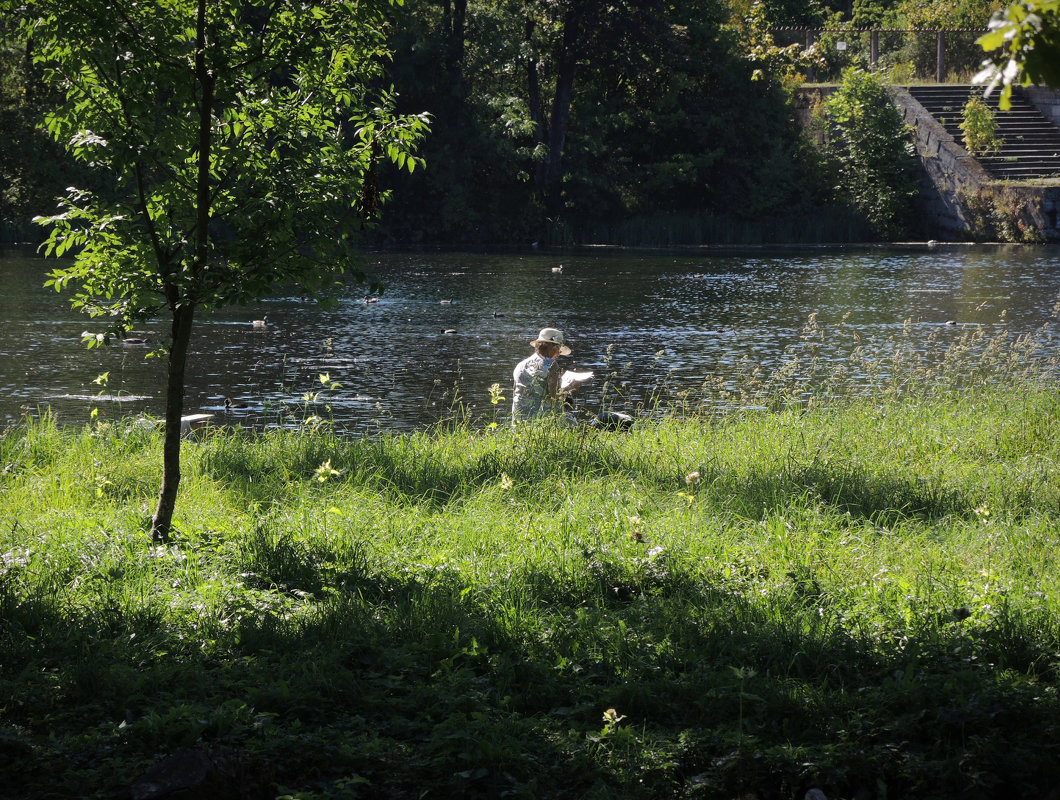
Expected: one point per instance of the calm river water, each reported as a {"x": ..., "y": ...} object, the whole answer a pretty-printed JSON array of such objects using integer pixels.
[{"x": 694, "y": 315}]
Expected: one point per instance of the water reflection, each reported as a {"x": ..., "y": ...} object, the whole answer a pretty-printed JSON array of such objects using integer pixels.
[{"x": 449, "y": 325}]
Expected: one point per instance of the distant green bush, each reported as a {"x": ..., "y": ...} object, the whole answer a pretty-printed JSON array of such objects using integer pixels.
[{"x": 871, "y": 153}]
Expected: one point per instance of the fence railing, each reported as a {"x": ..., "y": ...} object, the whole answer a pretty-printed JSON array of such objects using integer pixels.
[{"x": 944, "y": 56}]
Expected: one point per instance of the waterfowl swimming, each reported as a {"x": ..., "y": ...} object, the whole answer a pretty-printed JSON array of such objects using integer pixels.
[
  {"x": 558, "y": 269},
  {"x": 229, "y": 405},
  {"x": 448, "y": 330},
  {"x": 497, "y": 314},
  {"x": 368, "y": 300},
  {"x": 261, "y": 323},
  {"x": 133, "y": 341},
  {"x": 446, "y": 302}
]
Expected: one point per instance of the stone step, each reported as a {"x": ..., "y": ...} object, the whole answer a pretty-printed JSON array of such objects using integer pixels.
[
  {"x": 1031, "y": 147},
  {"x": 1020, "y": 157},
  {"x": 1046, "y": 169},
  {"x": 1021, "y": 118},
  {"x": 1016, "y": 112},
  {"x": 957, "y": 103},
  {"x": 1020, "y": 175},
  {"x": 1041, "y": 165},
  {"x": 1042, "y": 140},
  {"x": 1013, "y": 128},
  {"x": 1014, "y": 137},
  {"x": 1003, "y": 118},
  {"x": 1014, "y": 146},
  {"x": 1030, "y": 143},
  {"x": 1002, "y": 171},
  {"x": 1030, "y": 129},
  {"x": 1045, "y": 164}
]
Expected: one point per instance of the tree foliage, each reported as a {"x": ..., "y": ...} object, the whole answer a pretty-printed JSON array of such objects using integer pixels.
[
  {"x": 33, "y": 167},
  {"x": 237, "y": 142},
  {"x": 872, "y": 151},
  {"x": 784, "y": 13},
  {"x": 926, "y": 15},
  {"x": 1023, "y": 47},
  {"x": 579, "y": 117},
  {"x": 660, "y": 109},
  {"x": 261, "y": 123},
  {"x": 945, "y": 14}
]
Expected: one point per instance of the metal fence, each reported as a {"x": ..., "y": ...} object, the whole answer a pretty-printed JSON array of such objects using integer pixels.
[{"x": 907, "y": 56}]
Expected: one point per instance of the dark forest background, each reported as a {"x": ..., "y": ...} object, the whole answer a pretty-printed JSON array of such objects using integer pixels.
[{"x": 637, "y": 122}]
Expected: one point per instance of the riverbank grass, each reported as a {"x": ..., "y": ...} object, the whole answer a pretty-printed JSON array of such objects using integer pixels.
[{"x": 861, "y": 598}]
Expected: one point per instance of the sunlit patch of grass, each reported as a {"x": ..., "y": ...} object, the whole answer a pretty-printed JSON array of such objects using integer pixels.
[{"x": 824, "y": 591}]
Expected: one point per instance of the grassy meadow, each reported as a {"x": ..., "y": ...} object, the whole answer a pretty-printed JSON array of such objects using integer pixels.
[{"x": 860, "y": 595}]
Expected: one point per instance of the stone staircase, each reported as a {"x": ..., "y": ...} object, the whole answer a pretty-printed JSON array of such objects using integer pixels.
[{"x": 1030, "y": 142}]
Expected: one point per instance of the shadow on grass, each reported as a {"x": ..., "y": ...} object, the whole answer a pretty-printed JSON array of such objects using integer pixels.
[
  {"x": 878, "y": 497},
  {"x": 391, "y": 686},
  {"x": 416, "y": 476},
  {"x": 409, "y": 469}
]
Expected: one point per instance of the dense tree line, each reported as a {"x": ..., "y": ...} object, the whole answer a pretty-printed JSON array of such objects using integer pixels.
[
  {"x": 634, "y": 121},
  {"x": 569, "y": 118},
  {"x": 558, "y": 118},
  {"x": 33, "y": 168}
]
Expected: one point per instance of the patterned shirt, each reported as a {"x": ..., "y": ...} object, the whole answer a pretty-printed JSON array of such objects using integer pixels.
[{"x": 530, "y": 398}]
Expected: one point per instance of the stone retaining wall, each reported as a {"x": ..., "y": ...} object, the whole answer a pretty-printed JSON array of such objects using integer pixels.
[{"x": 804, "y": 101}]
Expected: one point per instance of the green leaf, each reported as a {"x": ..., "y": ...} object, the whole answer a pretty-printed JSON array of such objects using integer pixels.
[{"x": 992, "y": 40}]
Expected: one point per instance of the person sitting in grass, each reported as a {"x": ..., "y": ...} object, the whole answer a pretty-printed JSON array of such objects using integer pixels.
[{"x": 537, "y": 378}]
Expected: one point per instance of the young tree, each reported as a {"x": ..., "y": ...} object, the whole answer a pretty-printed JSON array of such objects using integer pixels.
[{"x": 239, "y": 140}]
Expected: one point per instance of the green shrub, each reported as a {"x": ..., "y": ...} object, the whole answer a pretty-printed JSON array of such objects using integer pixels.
[
  {"x": 872, "y": 153},
  {"x": 979, "y": 127}
]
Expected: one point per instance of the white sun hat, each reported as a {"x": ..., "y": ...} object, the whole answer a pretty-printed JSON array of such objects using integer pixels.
[{"x": 552, "y": 336}]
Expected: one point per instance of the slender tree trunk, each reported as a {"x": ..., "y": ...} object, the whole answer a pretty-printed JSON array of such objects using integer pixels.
[
  {"x": 27, "y": 65},
  {"x": 560, "y": 117},
  {"x": 455, "y": 50},
  {"x": 181, "y": 296},
  {"x": 537, "y": 106},
  {"x": 162, "y": 522}
]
